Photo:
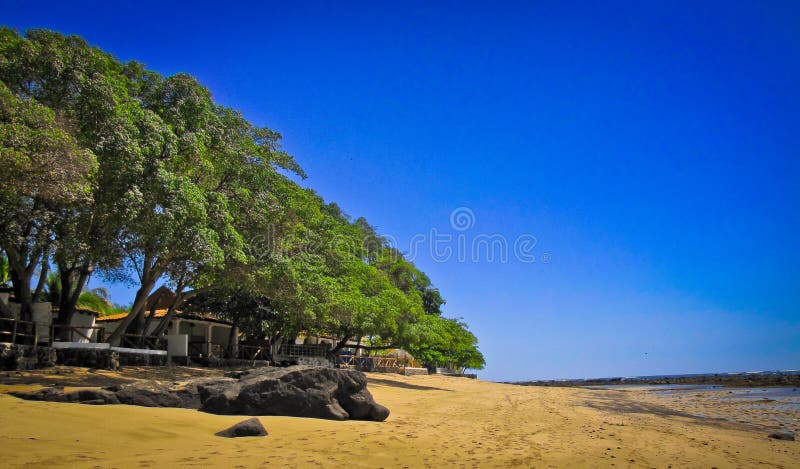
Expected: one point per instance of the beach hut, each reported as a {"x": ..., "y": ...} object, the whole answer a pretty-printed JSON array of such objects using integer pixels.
[{"x": 187, "y": 335}]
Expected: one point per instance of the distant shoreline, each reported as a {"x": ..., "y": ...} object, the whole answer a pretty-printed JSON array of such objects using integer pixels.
[{"x": 743, "y": 379}]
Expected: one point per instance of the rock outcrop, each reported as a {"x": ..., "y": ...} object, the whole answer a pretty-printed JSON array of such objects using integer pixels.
[
  {"x": 249, "y": 427},
  {"x": 786, "y": 436},
  {"x": 294, "y": 391}
]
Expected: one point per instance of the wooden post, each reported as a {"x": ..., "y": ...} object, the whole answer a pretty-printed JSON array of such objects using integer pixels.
[
  {"x": 233, "y": 342},
  {"x": 14, "y": 333},
  {"x": 208, "y": 340}
]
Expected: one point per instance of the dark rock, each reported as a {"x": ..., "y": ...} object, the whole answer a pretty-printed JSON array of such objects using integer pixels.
[
  {"x": 249, "y": 427},
  {"x": 141, "y": 359},
  {"x": 84, "y": 396},
  {"x": 786, "y": 436},
  {"x": 313, "y": 361},
  {"x": 149, "y": 394},
  {"x": 357, "y": 401},
  {"x": 297, "y": 391},
  {"x": 90, "y": 358},
  {"x": 47, "y": 357},
  {"x": 325, "y": 393}
]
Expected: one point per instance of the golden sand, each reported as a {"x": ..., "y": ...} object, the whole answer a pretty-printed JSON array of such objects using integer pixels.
[{"x": 435, "y": 422}]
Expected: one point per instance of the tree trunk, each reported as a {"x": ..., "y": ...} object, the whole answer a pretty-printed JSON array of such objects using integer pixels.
[
  {"x": 21, "y": 275},
  {"x": 180, "y": 298},
  {"x": 340, "y": 345},
  {"x": 233, "y": 341},
  {"x": 159, "y": 330},
  {"x": 275, "y": 346},
  {"x": 45, "y": 267},
  {"x": 70, "y": 293},
  {"x": 147, "y": 321},
  {"x": 22, "y": 293},
  {"x": 370, "y": 348},
  {"x": 139, "y": 302},
  {"x": 5, "y": 311},
  {"x": 140, "y": 327},
  {"x": 65, "y": 295}
]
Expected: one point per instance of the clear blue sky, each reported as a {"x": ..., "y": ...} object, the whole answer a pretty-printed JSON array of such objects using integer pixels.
[{"x": 652, "y": 149}]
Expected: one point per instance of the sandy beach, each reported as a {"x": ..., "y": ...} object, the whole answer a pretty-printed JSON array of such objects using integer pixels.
[{"x": 435, "y": 422}]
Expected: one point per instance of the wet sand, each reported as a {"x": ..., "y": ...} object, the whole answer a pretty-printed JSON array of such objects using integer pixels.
[
  {"x": 770, "y": 409},
  {"x": 435, "y": 422}
]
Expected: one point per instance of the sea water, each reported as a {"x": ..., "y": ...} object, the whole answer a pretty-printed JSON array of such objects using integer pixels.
[{"x": 777, "y": 407}]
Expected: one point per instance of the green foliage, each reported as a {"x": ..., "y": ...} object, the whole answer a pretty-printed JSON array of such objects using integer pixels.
[
  {"x": 4, "y": 270},
  {"x": 39, "y": 157},
  {"x": 96, "y": 299},
  {"x": 248, "y": 312},
  {"x": 445, "y": 342},
  {"x": 145, "y": 178}
]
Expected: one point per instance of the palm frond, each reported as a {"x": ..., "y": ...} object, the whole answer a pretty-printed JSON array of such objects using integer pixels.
[{"x": 90, "y": 300}]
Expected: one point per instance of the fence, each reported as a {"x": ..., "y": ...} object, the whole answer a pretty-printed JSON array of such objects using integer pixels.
[
  {"x": 18, "y": 332},
  {"x": 304, "y": 350},
  {"x": 252, "y": 352},
  {"x": 84, "y": 334},
  {"x": 378, "y": 364},
  {"x": 143, "y": 341}
]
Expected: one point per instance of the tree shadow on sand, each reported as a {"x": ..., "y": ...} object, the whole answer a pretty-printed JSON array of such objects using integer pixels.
[
  {"x": 616, "y": 404},
  {"x": 397, "y": 384}
]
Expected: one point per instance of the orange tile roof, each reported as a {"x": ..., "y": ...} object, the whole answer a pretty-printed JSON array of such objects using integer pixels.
[
  {"x": 82, "y": 309},
  {"x": 160, "y": 313}
]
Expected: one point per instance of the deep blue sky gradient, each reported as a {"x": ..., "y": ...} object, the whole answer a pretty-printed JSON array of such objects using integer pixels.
[{"x": 651, "y": 148}]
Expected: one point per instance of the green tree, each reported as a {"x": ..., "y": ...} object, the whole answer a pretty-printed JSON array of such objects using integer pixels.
[
  {"x": 116, "y": 168},
  {"x": 95, "y": 299},
  {"x": 4, "y": 270},
  {"x": 48, "y": 175},
  {"x": 194, "y": 192},
  {"x": 445, "y": 342},
  {"x": 87, "y": 92}
]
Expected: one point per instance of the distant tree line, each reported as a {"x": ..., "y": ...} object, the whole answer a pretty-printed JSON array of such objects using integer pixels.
[{"x": 111, "y": 168}]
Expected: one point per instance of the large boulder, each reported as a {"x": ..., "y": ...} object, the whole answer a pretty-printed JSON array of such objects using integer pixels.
[
  {"x": 249, "y": 427},
  {"x": 294, "y": 391},
  {"x": 298, "y": 391},
  {"x": 83, "y": 396},
  {"x": 786, "y": 436}
]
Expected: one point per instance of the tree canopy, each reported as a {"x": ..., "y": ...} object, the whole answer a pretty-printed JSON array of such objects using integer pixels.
[{"x": 145, "y": 179}]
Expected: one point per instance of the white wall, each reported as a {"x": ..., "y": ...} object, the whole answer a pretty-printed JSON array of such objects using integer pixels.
[
  {"x": 42, "y": 313},
  {"x": 178, "y": 345},
  {"x": 83, "y": 320},
  {"x": 220, "y": 334}
]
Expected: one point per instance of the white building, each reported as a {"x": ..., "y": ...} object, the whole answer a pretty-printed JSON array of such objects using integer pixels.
[{"x": 187, "y": 334}]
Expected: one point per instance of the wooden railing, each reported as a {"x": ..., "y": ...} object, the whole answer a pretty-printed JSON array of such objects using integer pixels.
[
  {"x": 86, "y": 334},
  {"x": 143, "y": 341},
  {"x": 206, "y": 349},
  {"x": 304, "y": 350},
  {"x": 29, "y": 333},
  {"x": 369, "y": 363},
  {"x": 16, "y": 331},
  {"x": 252, "y": 352}
]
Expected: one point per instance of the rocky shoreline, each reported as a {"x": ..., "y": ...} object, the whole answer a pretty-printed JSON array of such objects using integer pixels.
[
  {"x": 755, "y": 380},
  {"x": 296, "y": 391}
]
